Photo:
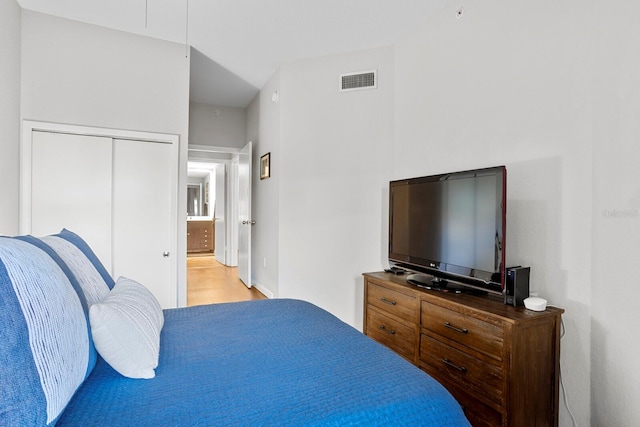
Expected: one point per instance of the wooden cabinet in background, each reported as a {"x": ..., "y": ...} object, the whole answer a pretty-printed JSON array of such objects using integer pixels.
[
  {"x": 200, "y": 237},
  {"x": 501, "y": 363}
]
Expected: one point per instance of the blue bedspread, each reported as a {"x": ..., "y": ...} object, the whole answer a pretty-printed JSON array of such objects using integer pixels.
[{"x": 268, "y": 362}]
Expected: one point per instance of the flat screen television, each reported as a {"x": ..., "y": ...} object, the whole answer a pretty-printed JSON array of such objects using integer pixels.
[{"x": 449, "y": 229}]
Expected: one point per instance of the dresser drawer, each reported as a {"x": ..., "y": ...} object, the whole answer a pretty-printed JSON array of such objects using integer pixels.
[
  {"x": 396, "y": 335},
  {"x": 486, "y": 337},
  {"x": 500, "y": 362},
  {"x": 393, "y": 302},
  {"x": 443, "y": 361},
  {"x": 478, "y": 413}
]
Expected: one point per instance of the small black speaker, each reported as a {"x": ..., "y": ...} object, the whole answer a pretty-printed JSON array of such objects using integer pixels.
[{"x": 517, "y": 285}]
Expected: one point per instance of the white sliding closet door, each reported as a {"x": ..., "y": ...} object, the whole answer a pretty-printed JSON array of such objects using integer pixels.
[
  {"x": 71, "y": 188},
  {"x": 144, "y": 179},
  {"x": 118, "y": 190}
]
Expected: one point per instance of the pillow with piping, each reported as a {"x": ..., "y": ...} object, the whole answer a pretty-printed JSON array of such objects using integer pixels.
[
  {"x": 126, "y": 328},
  {"x": 45, "y": 351},
  {"x": 93, "y": 277}
]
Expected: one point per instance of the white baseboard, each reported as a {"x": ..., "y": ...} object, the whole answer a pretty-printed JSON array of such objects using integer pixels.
[{"x": 266, "y": 292}]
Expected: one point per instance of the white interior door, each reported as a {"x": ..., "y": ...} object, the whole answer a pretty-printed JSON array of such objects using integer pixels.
[
  {"x": 71, "y": 188},
  {"x": 143, "y": 204},
  {"x": 244, "y": 214}
]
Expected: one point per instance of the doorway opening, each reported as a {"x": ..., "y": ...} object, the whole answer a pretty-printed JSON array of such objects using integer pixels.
[{"x": 212, "y": 228}]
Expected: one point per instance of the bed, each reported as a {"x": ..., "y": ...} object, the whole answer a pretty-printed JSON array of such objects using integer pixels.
[{"x": 266, "y": 362}]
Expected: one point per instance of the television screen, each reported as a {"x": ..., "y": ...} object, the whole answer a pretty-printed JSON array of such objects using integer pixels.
[{"x": 451, "y": 225}]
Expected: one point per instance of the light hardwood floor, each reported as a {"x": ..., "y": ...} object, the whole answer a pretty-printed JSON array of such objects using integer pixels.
[{"x": 210, "y": 282}]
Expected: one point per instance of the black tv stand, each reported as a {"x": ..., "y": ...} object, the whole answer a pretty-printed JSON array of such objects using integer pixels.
[
  {"x": 435, "y": 283},
  {"x": 426, "y": 281}
]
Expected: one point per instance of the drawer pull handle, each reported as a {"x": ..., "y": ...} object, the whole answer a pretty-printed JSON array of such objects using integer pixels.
[
  {"x": 459, "y": 368},
  {"x": 389, "y": 331},
  {"x": 450, "y": 326},
  {"x": 387, "y": 301}
]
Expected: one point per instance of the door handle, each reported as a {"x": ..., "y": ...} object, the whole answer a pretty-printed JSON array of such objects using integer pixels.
[
  {"x": 245, "y": 222},
  {"x": 165, "y": 254}
]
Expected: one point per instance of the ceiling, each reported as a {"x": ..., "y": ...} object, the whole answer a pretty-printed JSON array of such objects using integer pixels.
[
  {"x": 237, "y": 45},
  {"x": 200, "y": 170}
]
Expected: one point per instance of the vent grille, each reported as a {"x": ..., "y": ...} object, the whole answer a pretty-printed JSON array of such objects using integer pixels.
[{"x": 358, "y": 81}]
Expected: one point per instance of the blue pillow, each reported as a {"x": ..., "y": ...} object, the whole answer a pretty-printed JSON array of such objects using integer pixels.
[
  {"x": 65, "y": 268},
  {"x": 45, "y": 343},
  {"x": 93, "y": 353},
  {"x": 88, "y": 252},
  {"x": 93, "y": 278}
]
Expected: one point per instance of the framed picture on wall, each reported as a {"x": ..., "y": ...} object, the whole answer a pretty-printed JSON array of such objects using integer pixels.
[{"x": 265, "y": 166}]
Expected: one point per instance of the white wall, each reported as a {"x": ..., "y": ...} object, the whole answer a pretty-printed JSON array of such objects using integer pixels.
[
  {"x": 263, "y": 128},
  {"x": 225, "y": 129},
  {"x": 509, "y": 83},
  {"x": 10, "y": 25},
  {"x": 615, "y": 379},
  {"x": 82, "y": 74},
  {"x": 333, "y": 164}
]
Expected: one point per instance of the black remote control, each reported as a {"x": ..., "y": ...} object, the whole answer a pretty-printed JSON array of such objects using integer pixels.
[{"x": 395, "y": 270}]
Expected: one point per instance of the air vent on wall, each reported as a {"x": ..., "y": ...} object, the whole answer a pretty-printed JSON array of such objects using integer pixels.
[{"x": 358, "y": 81}]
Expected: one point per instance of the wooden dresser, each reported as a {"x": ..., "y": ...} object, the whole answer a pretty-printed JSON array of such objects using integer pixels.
[
  {"x": 200, "y": 237},
  {"x": 501, "y": 363}
]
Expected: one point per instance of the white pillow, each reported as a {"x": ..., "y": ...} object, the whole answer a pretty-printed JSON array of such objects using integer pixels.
[{"x": 126, "y": 329}]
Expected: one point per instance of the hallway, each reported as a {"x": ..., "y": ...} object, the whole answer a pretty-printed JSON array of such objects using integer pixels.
[{"x": 210, "y": 282}]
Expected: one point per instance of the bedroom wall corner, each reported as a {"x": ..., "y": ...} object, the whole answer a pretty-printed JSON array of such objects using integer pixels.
[
  {"x": 10, "y": 54},
  {"x": 334, "y": 164},
  {"x": 263, "y": 128}
]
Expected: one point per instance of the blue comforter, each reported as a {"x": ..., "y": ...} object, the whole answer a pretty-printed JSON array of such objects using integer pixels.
[{"x": 268, "y": 362}]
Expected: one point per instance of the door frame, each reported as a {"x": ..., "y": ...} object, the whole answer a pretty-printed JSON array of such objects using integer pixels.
[
  {"x": 230, "y": 235},
  {"x": 26, "y": 144}
]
